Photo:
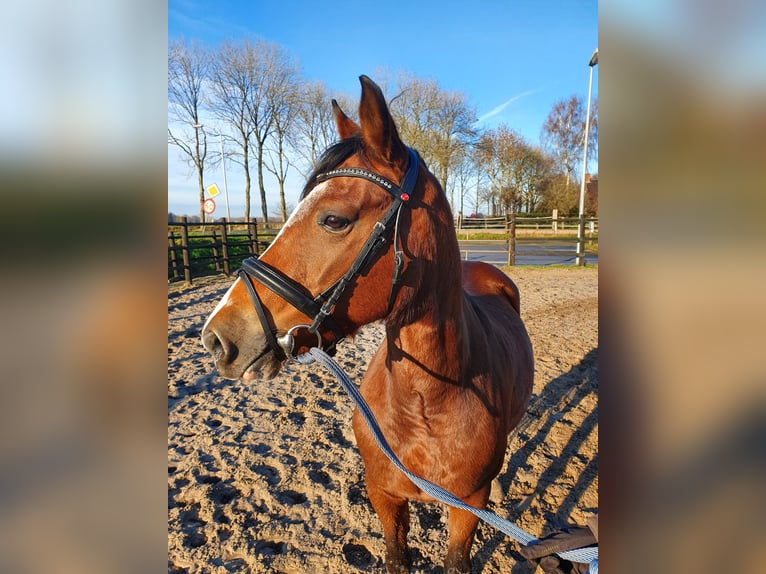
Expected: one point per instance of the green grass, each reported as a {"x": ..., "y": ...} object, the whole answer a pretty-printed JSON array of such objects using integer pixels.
[
  {"x": 201, "y": 253},
  {"x": 481, "y": 236}
]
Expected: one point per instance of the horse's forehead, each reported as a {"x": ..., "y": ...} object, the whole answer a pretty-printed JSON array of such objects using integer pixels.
[
  {"x": 319, "y": 192},
  {"x": 306, "y": 206},
  {"x": 311, "y": 199}
]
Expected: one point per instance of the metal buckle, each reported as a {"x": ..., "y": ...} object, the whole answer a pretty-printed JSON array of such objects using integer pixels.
[{"x": 287, "y": 340}]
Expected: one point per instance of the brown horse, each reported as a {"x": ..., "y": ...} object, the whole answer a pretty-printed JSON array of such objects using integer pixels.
[{"x": 454, "y": 373}]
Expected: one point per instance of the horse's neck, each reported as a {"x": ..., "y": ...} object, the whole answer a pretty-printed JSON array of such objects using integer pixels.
[
  {"x": 430, "y": 352},
  {"x": 426, "y": 339}
]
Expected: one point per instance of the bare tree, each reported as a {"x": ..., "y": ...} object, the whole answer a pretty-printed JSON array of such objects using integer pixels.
[
  {"x": 486, "y": 158},
  {"x": 188, "y": 68},
  {"x": 314, "y": 128},
  {"x": 232, "y": 83},
  {"x": 481, "y": 189},
  {"x": 248, "y": 83},
  {"x": 535, "y": 178},
  {"x": 436, "y": 122},
  {"x": 564, "y": 131},
  {"x": 519, "y": 173},
  {"x": 285, "y": 107},
  {"x": 500, "y": 154},
  {"x": 272, "y": 63},
  {"x": 464, "y": 177}
]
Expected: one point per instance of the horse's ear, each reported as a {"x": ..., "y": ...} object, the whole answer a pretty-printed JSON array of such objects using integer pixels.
[
  {"x": 346, "y": 126},
  {"x": 378, "y": 130}
]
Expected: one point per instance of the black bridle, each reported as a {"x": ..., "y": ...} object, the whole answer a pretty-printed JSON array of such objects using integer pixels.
[{"x": 321, "y": 306}]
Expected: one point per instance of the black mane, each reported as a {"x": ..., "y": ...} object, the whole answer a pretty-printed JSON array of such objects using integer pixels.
[{"x": 333, "y": 155}]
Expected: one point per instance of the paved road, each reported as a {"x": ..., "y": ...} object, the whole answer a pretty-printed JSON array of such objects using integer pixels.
[{"x": 529, "y": 251}]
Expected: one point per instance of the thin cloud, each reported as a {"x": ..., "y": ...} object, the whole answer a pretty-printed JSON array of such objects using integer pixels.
[{"x": 505, "y": 104}]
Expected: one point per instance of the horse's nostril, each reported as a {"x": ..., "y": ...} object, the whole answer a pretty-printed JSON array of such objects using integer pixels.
[{"x": 213, "y": 344}]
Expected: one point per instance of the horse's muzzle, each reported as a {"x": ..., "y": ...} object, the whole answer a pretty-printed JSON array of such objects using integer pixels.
[{"x": 231, "y": 363}]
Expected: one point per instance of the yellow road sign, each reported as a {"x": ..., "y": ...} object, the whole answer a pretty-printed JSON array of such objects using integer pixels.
[{"x": 212, "y": 190}]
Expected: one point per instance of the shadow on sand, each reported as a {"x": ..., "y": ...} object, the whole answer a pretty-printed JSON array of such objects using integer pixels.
[{"x": 559, "y": 397}]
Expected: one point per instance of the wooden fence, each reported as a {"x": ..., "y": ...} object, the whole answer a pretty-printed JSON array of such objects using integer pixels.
[
  {"x": 553, "y": 223},
  {"x": 507, "y": 226},
  {"x": 195, "y": 250}
]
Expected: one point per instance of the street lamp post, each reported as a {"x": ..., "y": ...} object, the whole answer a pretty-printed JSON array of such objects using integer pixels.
[
  {"x": 225, "y": 185},
  {"x": 223, "y": 167},
  {"x": 581, "y": 227}
]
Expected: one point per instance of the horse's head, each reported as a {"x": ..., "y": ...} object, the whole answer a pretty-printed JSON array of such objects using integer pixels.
[{"x": 323, "y": 276}]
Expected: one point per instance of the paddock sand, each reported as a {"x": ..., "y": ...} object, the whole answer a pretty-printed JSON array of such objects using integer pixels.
[{"x": 266, "y": 477}]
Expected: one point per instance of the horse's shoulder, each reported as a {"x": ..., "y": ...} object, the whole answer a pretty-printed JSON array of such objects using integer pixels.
[{"x": 483, "y": 279}]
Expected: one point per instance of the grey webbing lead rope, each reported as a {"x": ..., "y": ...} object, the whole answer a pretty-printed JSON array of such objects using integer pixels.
[{"x": 588, "y": 555}]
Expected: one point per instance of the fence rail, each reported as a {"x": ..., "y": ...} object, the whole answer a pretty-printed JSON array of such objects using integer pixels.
[
  {"x": 504, "y": 222},
  {"x": 502, "y": 257}
]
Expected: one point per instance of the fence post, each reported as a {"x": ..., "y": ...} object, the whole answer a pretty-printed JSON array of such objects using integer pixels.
[
  {"x": 254, "y": 240},
  {"x": 555, "y": 220},
  {"x": 249, "y": 235},
  {"x": 173, "y": 257},
  {"x": 512, "y": 241},
  {"x": 216, "y": 254},
  {"x": 225, "y": 248},
  {"x": 185, "y": 250}
]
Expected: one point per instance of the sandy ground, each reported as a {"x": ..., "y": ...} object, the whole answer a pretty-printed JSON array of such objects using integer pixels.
[{"x": 266, "y": 477}]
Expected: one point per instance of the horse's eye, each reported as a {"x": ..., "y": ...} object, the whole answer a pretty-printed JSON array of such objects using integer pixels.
[{"x": 335, "y": 222}]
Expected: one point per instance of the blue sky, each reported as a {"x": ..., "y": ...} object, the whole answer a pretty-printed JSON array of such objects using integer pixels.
[{"x": 513, "y": 59}]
